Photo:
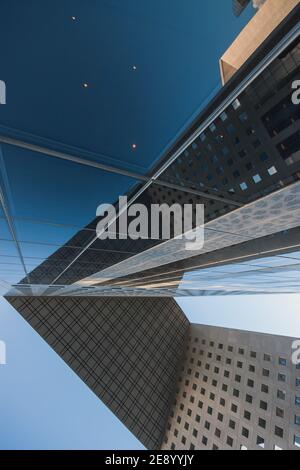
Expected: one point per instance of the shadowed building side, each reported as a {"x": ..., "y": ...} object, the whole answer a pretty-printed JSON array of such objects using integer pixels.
[{"x": 128, "y": 352}]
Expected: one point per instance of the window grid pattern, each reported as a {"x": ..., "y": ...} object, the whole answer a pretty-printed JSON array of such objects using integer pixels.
[
  {"x": 247, "y": 409},
  {"x": 126, "y": 350}
]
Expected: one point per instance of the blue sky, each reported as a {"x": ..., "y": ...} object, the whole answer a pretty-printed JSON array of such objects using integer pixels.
[{"x": 273, "y": 314}]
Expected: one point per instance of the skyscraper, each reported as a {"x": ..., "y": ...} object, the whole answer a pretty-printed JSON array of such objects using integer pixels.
[
  {"x": 239, "y": 6},
  {"x": 241, "y": 159},
  {"x": 236, "y": 391}
]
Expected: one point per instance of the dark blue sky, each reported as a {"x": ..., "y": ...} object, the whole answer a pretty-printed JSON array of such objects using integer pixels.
[{"x": 46, "y": 57}]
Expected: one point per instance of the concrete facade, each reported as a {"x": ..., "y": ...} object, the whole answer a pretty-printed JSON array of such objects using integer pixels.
[
  {"x": 269, "y": 16},
  {"x": 237, "y": 391}
]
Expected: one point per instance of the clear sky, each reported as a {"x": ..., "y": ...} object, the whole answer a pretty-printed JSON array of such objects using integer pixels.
[
  {"x": 176, "y": 45},
  {"x": 273, "y": 314}
]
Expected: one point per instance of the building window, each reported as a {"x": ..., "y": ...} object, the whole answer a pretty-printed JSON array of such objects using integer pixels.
[
  {"x": 264, "y": 157},
  {"x": 216, "y": 370},
  {"x": 249, "y": 399},
  {"x": 234, "y": 408},
  {"x": 210, "y": 410},
  {"x": 266, "y": 373},
  {"x": 297, "y": 382},
  {"x": 263, "y": 405},
  {"x": 282, "y": 361},
  {"x": 257, "y": 179},
  {"x": 218, "y": 433},
  {"x": 281, "y": 377},
  {"x": 262, "y": 423},
  {"x": 186, "y": 426},
  {"x": 252, "y": 369},
  {"x": 232, "y": 424},
  {"x": 220, "y": 417},
  {"x": 192, "y": 447},
  {"x": 267, "y": 358},
  {"x": 239, "y": 365},
  {"x": 278, "y": 431},
  {"x": 222, "y": 402},
  {"x": 204, "y": 440},
  {"x": 265, "y": 388},
  {"x": 224, "y": 388},
  {"x": 207, "y": 425},
  {"x": 297, "y": 441},
  {"x": 183, "y": 440},
  {"x": 253, "y": 354},
  {"x": 281, "y": 394},
  {"x": 297, "y": 420},
  {"x": 250, "y": 383},
  {"x": 272, "y": 171},
  {"x": 260, "y": 442},
  {"x": 236, "y": 104},
  {"x": 247, "y": 415},
  {"x": 238, "y": 378},
  {"x": 245, "y": 432},
  {"x": 236, "y": 393},
  {"x": 279, "y": 412},
  {"x": 197, "y": 419},
  {"x": 297, "y": 401},
  {"x": 195, "y": 433},
  {"x": 229, "y": 441}
]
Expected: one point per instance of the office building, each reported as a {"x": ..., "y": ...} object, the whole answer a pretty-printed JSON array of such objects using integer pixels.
[{"x": 237, "y": 391}]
